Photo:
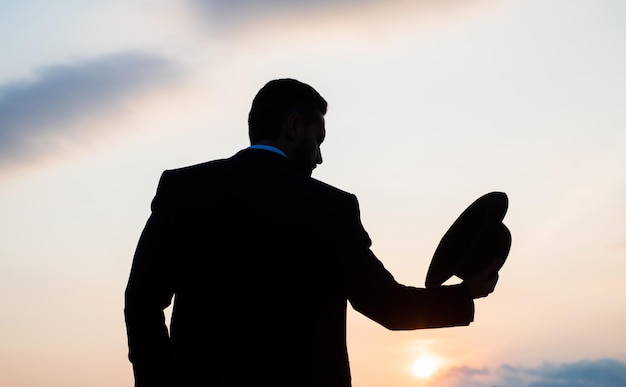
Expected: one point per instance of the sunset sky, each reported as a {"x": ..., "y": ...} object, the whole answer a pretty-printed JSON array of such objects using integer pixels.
[{"x": 431, "y": 105}]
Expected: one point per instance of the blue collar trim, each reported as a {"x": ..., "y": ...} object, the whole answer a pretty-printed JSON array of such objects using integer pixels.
[{"x": 268, "y": 148}]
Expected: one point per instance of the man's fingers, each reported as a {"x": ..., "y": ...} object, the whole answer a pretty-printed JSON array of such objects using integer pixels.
[
  {"x": 484, "y": 282},
  {"x": 492, "y": 273}
]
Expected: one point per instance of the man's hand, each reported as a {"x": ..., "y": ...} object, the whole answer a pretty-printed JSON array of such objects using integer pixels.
[{"x": 484, "y": 282}]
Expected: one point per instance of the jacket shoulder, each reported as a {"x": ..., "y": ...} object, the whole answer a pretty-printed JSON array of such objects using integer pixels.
[
  {"x": 331, "y": 192},
  {"x": 195, "y": 171}
]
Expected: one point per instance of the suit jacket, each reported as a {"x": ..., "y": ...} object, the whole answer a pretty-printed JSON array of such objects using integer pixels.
[{"x": 262, "y": 260}]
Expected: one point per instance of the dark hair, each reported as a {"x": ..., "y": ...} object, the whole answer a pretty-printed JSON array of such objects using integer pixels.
[{"x": 275, "y": 101}]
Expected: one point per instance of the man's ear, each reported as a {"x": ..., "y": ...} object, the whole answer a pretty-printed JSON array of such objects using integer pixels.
[{"x": 293, "y": 126}]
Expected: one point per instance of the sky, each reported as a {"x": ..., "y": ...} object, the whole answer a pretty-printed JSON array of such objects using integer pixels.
[{"x": 431, "y": 105}]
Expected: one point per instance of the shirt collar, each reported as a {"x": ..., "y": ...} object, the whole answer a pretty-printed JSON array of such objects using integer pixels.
[{"x": 268, "y": 148}]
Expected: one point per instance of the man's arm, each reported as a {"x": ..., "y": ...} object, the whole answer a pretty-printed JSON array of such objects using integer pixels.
[
  {"x": 148, "y": 293},
  {"x": 375, "y": 293}
]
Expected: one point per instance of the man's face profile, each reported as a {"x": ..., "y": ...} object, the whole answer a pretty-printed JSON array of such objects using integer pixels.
[{"x": 307, "y": 153}]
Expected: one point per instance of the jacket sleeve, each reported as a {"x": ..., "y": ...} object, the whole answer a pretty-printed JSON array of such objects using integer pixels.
[
  {"x": 148, "y": 293},
  {"x": 374, "y": 292}
]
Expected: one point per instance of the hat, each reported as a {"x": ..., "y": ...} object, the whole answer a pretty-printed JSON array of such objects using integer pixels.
[{"x": 474, "y": 240}]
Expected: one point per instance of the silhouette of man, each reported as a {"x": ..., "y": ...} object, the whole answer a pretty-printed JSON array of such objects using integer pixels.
[{"x": 262, "y": 259}]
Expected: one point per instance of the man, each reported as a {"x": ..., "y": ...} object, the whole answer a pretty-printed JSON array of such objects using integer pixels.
[{"x": 262, "y": 260}]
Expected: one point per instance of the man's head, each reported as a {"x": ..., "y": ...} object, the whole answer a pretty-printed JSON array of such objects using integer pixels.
[{"x": 289, "y": 114}]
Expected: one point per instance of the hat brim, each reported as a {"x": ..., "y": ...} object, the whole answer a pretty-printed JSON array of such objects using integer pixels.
[{"x": 473, "y": 241}]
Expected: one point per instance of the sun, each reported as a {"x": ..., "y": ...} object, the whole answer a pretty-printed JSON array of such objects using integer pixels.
[{"x": 425, "y": 366}]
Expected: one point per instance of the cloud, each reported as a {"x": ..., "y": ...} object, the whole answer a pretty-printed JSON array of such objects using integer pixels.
[
  {"x": 235, "y": 8},
  {"x": 463, "y": 376},
  {"x": 60, "y": 97},
  {"x": 225, "y": 13},
  {"x": 585, "y": 373}
]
